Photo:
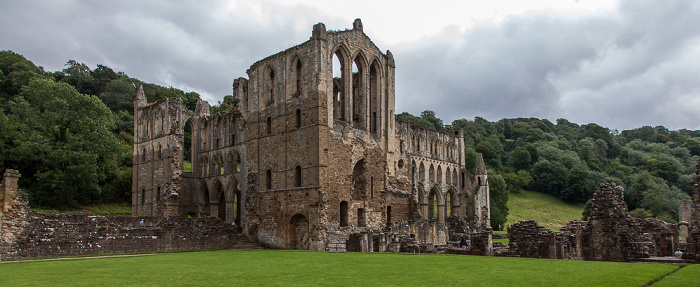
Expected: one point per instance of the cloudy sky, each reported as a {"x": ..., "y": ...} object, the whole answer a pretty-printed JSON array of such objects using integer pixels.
[{"x": 621, "y": 64}]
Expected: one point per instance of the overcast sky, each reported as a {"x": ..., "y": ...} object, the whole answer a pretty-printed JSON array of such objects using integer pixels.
[{"x": 620, "y": 64}]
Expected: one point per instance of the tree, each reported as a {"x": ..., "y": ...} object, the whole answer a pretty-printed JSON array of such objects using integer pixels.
[
  {"x": 62, "y": 144},
  {"x": 498, "y": 200},
  {"x": 435, "y": 121}
]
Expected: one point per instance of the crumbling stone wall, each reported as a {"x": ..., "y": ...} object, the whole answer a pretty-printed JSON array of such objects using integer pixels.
[
  {"x": 48, "y": 235},
  {"x": 15, "y": 207},
  {"x": 611, "y": 234},
  {"x": 693, "y": 242}
]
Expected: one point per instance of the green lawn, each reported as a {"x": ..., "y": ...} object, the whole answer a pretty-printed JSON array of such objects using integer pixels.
[
  {"x": 686, "y": 276},
  {"x": 303, "y": 268},
  {"x": 547, "y": 210}
]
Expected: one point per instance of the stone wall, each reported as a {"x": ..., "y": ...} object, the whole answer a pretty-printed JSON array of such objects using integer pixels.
[
  {"x": 48, "y": 235},
  {"x": 693, "y": 242},
  {"x": 612, "y": 234}
]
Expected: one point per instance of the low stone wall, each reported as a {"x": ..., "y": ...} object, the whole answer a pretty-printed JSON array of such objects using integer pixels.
[{"x": 47, "y": 235}]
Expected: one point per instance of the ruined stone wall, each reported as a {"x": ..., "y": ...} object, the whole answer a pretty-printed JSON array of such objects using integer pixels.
[
  {"x": 48, "y": 235},
  {"x": 612, "y": 234},
  {"x": 315, "y": 158},
  {"x": 14, "y": 210},
  {"x": 693, "y": 242}
]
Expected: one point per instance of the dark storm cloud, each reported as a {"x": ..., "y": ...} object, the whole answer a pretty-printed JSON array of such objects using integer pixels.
[
  {"x": 199, "y": 46},
  {"x": 624, "y": 68},
  {"x": 636, "y": 66}
]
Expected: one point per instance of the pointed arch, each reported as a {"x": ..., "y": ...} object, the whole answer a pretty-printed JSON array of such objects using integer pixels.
[
  {"x": 431, "y": 173},
  {"x": 359, "y": 69},
  {"x": 438, "y": 178},
  {"x": 375, "y": 81},
  {"x": 269, "y": 85},
  {"x": 452, "y": 203},
  {"x": 339, "y": 73},
  {"x": 359, "y": 180},
  {"x": 421, "y": 172}
]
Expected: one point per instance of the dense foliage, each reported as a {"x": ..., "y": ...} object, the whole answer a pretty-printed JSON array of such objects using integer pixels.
[
  {"x": 567, "y": 160},
  {"x": 70, "y": 132}
]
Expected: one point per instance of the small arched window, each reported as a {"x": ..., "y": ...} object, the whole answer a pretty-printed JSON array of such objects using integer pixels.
[
  {"x": 160, "y": 151},
  {"x": 297, "y": 176},
  {"x": 298, "y": 76},
  {"x": 268, "y": 125},
  {"x": 143, "y": 155},
  {"x": 297, "y": 117},
  {"x": 268, "y": 179}
]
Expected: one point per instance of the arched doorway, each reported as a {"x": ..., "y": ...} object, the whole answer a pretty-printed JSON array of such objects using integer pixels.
[
  {"x": 359, "y": 181},
  {"x": 298, "y": 232}
]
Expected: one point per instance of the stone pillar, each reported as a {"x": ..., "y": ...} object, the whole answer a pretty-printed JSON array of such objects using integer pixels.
[{"x": 9, "y": 188}]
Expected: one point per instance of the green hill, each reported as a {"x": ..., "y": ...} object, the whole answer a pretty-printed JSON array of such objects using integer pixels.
[{"x": 547, "y": 210}]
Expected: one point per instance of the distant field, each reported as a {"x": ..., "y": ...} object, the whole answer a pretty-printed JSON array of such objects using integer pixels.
[
  {"x": 119, "y": 209},
  {"x": 547, "y": 210},
  {"x": 304, "y": 268}
]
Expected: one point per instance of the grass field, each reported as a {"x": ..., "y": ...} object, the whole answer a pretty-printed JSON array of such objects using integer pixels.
[
  {"x": 119, "y": 209},
  {"x": 303, "y": 268},
  {"x": 547, "y": 210}
]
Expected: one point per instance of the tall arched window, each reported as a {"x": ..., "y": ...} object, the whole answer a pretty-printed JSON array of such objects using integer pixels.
[
  {"x": 271, "y": 84},
  {"x": 338, "y": 68},
  {"x": 373, "y": 97},
  {"x": 297, "y": 72}
]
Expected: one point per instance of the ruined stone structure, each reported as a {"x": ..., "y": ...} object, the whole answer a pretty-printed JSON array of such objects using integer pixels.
[
  {"x": 611, "y": 234},
  {"x": 305, "y": 158},
  {"x": 28, "y": 234},
  {"x": 693, "y": 242}
]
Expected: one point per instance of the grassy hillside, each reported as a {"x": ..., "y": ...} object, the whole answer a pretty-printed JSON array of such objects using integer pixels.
[{"x": 547, "y": 210}]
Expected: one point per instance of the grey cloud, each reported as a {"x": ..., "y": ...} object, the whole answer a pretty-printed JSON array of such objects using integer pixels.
[{"x": 621, "y": 70}]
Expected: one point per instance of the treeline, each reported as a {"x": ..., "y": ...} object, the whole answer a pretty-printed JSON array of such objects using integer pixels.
[
  {"x": 70, "y": 132},
  {"x": 568, "y": 160}
]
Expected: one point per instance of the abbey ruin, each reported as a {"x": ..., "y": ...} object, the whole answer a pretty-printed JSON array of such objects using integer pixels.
[{"x": 307, "y": 160}]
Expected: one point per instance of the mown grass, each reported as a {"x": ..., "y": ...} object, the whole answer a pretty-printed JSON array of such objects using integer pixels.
[
  {"x": 547, "y": 210},
  {"x": 119, "y": 209},
  {"x": 686, "y": 276},
  {"x": 303, "y": 268}
]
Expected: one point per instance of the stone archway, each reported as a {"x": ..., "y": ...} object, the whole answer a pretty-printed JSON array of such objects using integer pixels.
[{"x": 298, "y": 232}]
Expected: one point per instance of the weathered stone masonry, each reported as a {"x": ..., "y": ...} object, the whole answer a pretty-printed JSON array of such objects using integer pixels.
[{"x": 304, "y": 159}]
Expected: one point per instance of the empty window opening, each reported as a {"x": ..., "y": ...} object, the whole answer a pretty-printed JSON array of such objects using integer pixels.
[
  {"x": 373, "y": 96},
  {"x": 268, "y": 179},
  {"x": 448, "y": 205},
  {"x": 298, "y": 77},
  {"x": 359, "y": 180},
  {"x": 388, "y": 215},
  {"x": 338, "y": 68},
  {"x": 297, "y": 118},
  {"x": 271, "y": 85},
  {"x": 361, "y": 217},
  {"x": 160, "y": 151},
  {"x": 297, "y": 176},
  {"x": 157, "y": 193},
  {"x": 343, "y": 213},
  {"x": 143, "y": 196},
  {"x": 268, "y": 125},
  {"x": 358, "y": 94}
]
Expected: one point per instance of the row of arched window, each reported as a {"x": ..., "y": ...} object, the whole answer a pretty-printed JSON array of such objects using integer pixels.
[
  {"x": 436, "y": 147},
  {"x": 297, "y": 122},
  {"x": 365, "y": 109},
  {"x": 435, "y": 174},
  {"x": 297, "y": 180},
  {"x": 270, "y": 82}
]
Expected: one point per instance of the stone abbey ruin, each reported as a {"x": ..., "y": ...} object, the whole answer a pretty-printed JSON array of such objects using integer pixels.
[{"x": 306, "y": 160}]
